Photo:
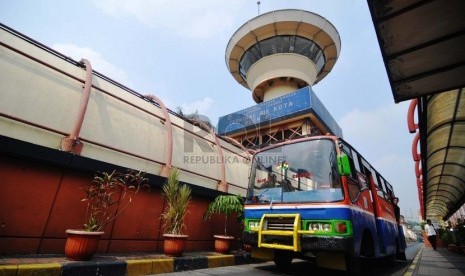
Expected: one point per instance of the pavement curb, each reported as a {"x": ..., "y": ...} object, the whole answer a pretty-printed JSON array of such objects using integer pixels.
[
  {"x": 411, "y": 269},
  {"x": 52, "y": 269},
  {"x": 130, "y": 267}
]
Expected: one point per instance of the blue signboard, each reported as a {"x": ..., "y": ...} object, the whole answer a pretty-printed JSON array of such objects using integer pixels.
[{"x": 302, "y": 101}]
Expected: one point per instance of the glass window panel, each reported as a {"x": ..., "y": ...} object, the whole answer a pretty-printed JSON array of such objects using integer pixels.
[
  {"x": 246, "y": 61},
  {"x": 292, "y": 44},
  {"x": 375, "y": 179},
  {"x": 300, "y": 172},
  {"x": 282, "y": 44},
  {"x": 381, "y": 183},
  {"x": 268, "y": 46},
  {"x": 320, "y": 61},
  {"x": 313, "y": 51},
  {"x": 302, "y": 46},
  {"x": 354, "y": 189},
  {"x": 389, "y": 189},
  {"x": 255, "y": 50},
  {"x": 242, "y": 72},
  {"x": 365, "y": 164},
  {"x": 356, "y": 163}
]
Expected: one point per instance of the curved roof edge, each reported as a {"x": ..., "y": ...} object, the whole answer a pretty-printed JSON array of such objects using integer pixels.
[{"x": 280, "y": 16}]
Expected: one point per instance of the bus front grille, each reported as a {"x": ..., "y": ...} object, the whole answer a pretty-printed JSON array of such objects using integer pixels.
[
  {"x": 280, "y": 231},
  {"x": 279, "y": 224}
]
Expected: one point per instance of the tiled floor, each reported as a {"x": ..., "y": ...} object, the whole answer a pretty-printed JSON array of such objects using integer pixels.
[
  {"x": 430, "y": 263},
  {"x": 440, "y": 263}
]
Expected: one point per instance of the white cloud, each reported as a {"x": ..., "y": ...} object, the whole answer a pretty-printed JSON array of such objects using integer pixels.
[
  {"x": 189, "y": 18},
  {"x": 398, "y": 170},
  {"x": 381, "y": 130},
  {"x": 200, "y": 106},
  {"x": 96, "y": 60}
]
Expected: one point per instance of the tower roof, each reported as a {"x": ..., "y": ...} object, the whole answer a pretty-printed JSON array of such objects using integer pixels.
[{"x": 289, "y": 23}]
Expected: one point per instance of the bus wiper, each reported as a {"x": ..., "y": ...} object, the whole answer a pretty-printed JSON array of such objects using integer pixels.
[{"x": 263, "y": 198}]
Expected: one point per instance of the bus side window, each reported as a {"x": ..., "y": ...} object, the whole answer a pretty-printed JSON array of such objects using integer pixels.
[
  {"x": 380, "y": 187},
  {"x": 360, "y": 175},
  {"x": 362, "y": 180},
  {"x": 389, "y": 190},
  {"x": 355, "y": 165},
  {"x": 352, "y": 180},
  {"x": 366, "y": 173},
  {"x": 364, "y": 177},
  {"x": 354, "y": 189}
]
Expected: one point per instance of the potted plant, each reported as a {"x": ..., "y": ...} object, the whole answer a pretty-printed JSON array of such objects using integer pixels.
[
  {"x": 225, "y": 205},
  {"x": 177, "y": 198},
  {"x": 106, "y": 197}
]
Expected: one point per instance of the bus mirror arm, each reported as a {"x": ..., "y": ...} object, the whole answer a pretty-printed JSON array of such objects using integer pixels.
[{"x": 343, "y": 165}]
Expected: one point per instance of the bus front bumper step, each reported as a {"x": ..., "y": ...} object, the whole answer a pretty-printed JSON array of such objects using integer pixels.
[{"x": 280, "y": 231}]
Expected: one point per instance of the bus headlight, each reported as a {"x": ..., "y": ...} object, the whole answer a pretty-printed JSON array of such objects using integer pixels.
[
  {"x": 315, "y": 227},
  {"x": 326, "y": 227},
  {"x": 254, "y": 225}
]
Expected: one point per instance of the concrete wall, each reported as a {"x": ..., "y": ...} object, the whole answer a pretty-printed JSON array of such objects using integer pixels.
[
  {"x": 40, "y": 186},
  {"x": 40, "y": 93}
]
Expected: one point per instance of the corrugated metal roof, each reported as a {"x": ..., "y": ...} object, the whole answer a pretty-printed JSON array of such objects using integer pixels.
[
  {"x": 444, "y": 188},
  {"x": 422, "y": 43}
]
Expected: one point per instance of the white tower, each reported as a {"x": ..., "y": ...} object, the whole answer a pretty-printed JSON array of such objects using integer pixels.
[{"x": 281, "y": 51}]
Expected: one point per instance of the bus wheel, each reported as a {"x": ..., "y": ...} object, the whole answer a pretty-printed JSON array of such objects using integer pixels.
[
  {"x": 400, "y": 255},
  {"x": 367, "y": 248},
  {"x": 283, "y": 258}
]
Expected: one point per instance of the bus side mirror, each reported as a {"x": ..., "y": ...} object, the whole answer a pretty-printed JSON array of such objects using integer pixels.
[{"x": 343, "y": 164}]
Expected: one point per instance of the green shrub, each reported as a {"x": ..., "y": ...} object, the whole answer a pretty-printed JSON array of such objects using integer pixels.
[
  {"x": 109, "y": 195},
  {"x": 460, "y": 232},
  {"x": 177, "y": 201},
  {"x": 226, "y": 205},
  {"x": 447, "y": 236}
]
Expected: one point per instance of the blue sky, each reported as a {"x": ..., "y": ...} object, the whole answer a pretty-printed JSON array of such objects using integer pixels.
[{"x": 175, "y": 50}]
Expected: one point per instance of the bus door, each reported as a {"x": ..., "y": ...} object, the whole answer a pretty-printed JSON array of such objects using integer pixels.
[
  {"x": 368, "y": 171},
  {"x": 360, "y": 195},
  {"x": 391, "y": 236},
  {"x": 359, "y": 191}
]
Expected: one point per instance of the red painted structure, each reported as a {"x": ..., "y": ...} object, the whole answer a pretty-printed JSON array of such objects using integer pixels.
[
  {"x": 39, "y": 202},
  {"x": 412, "y": 127}
]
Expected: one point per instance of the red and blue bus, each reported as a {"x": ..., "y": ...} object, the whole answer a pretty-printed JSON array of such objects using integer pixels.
[{"x": 317, "y": 197}]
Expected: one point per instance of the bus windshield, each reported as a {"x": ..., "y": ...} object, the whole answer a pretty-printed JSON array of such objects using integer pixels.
[{"x": 300, "y": 172}]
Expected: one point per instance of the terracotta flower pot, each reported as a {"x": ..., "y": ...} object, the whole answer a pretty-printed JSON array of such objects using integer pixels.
[
  {"x": 81, "y": 245},
  {"x": 223, "y": 243},
  {"x": 174, "y": 245}
]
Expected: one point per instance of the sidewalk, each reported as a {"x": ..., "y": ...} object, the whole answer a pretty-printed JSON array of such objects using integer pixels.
[
  {"x": 117, "y": 264},
  {"x": 441, "y": 262},
  {"x": 426, "y": 263}
]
